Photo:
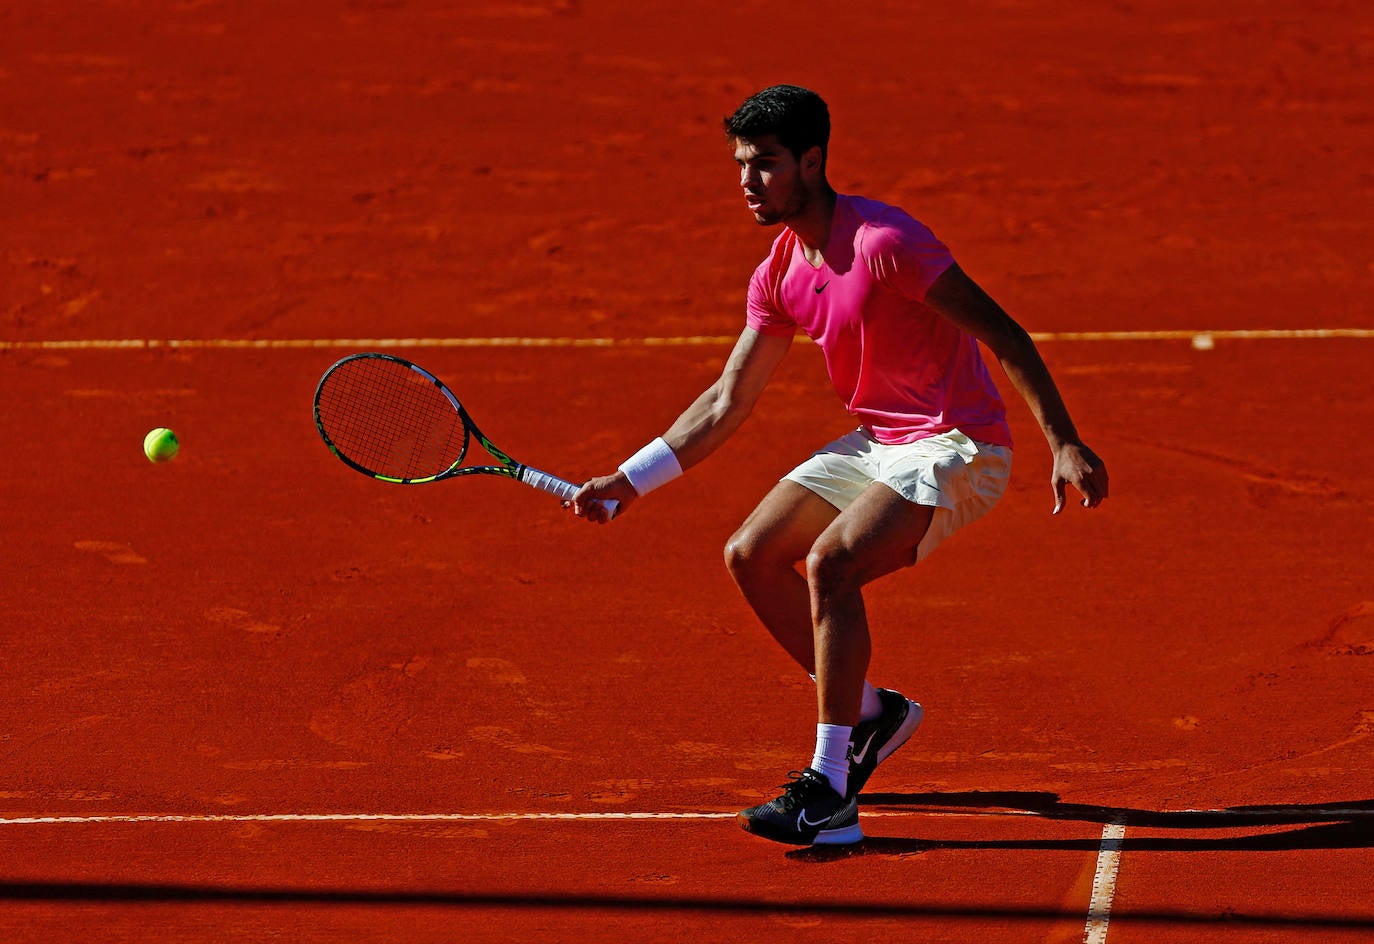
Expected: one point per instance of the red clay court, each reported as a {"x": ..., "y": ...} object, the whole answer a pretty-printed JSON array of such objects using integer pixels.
[{"x": 250, "y": 695}]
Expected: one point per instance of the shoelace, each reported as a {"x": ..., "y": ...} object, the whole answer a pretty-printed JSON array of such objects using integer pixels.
[{"x": 792, "y": 790}]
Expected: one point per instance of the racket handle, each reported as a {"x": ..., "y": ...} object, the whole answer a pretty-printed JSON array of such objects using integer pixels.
[{"x": 556, "y": 486}]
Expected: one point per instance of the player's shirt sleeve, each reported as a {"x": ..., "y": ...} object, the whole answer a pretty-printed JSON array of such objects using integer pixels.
[
  {"x": 903, "y": 254},
  {"x": 764, "y": 311}
]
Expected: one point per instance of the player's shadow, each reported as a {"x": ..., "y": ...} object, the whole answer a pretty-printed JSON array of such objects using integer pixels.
[{"x": 1337, "y": 825}]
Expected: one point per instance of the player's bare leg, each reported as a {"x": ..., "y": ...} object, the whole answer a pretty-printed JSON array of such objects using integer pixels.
[
  {"x": 763, "y": 556},
  {"x": 876, "y": 535}
]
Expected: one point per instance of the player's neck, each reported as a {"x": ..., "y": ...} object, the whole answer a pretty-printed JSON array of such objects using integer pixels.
[{"x": 812, "y": 224}]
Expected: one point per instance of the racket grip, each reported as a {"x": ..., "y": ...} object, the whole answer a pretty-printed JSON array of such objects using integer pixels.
[{"x": 556, "y": 486}]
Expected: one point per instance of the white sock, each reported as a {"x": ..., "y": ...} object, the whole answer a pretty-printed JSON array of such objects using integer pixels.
[
  {"x": 872, "y": 705},
  {"x": 832, "y": 755}
]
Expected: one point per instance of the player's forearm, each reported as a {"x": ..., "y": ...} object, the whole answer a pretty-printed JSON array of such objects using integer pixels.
[
  {"x": 705, "y": 425},
  {"x": 964, "y": 302},
  {"x": 1031, "y": 378},
  {"x": 727, "y": 403},
  {"x": 701, "y": 428}
]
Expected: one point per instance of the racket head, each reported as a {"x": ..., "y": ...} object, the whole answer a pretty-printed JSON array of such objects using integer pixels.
[{"x": 390, "y": 419}]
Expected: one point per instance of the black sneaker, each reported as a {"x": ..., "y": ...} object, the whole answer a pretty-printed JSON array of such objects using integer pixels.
[
  {"x": 874, "y": 741},
  {"x": 809, "y": 811}
]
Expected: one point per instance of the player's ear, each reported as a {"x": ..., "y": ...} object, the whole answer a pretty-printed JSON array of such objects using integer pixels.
[{"x": 813, "y": 161}]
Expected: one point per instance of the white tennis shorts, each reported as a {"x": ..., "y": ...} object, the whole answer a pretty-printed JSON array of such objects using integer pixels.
[{"x": 961, "y": 478}]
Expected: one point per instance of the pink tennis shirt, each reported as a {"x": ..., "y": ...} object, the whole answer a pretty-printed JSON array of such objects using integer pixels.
[{"x": 903, "y": 369}]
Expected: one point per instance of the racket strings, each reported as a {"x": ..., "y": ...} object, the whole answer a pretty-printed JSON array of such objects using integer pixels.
[{"x": 391, "y": 420}]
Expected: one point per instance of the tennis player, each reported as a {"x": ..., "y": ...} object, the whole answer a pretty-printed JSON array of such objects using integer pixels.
[{"x": 899, "y": 324}]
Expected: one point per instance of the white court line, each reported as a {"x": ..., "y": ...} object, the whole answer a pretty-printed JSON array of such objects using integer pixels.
[
  {"x": 97, "y": 819},
  {"x": 341, "y": 818},
  {"x": 1104, "y": 883},
  {"x": 375, "y": 344},
  {"x": 1109, "y": 832},
  {"x": 116, "y": 344}
]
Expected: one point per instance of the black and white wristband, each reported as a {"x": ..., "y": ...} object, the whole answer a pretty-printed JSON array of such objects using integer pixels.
[{"x": 651, "y": 467}]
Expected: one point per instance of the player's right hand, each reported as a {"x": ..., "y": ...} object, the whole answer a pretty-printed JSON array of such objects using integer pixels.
[{"x": 589, "y": 502}]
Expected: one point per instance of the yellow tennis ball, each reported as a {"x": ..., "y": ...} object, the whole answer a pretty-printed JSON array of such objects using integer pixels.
[{"x": 160, "y": 445}]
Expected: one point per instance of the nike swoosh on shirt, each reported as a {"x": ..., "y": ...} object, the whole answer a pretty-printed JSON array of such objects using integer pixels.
[
  {"x": 821, "y": 288},
  {"x": 860, "y": 755}
]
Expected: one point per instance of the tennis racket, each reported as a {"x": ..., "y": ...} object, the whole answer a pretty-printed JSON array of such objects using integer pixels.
[{"x": 395, "y": 421}]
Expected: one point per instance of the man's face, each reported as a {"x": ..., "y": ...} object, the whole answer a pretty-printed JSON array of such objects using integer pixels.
[{"x": 771, "y": 179}]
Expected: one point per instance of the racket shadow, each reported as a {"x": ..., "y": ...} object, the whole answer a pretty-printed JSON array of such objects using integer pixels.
[{"x": 1335, "y": 825}]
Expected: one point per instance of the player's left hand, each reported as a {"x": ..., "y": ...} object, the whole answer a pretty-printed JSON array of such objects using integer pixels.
[{"x": 1077, "y": 465}]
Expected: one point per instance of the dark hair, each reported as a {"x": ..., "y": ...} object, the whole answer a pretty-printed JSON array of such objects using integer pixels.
[{"x": 797, "y": 116}]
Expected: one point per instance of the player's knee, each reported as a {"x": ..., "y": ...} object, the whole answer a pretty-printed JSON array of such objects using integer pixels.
[
  {"x": 832, "y": 567},
  {"x": 740, "y": 553},
  {"x": 750, "y": 551}
]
